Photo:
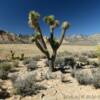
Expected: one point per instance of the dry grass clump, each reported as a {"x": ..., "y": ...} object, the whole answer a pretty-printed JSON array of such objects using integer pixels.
[{"x": 27, "y": 85}]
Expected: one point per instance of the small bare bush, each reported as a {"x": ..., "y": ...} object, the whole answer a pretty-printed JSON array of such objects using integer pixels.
[{"x": 27, "y": 85}]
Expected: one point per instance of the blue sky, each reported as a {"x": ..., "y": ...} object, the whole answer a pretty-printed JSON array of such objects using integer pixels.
[{"x": 83, "y": 15}]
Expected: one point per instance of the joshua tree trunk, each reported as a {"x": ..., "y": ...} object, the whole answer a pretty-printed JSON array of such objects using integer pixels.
[{"x": 51, "y": 62}]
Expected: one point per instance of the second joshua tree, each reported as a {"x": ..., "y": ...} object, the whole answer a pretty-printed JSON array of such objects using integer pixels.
[{"x": 38, "y": 36}]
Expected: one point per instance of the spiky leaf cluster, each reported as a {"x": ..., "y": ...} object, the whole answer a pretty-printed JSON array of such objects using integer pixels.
[
  {"x": 50, "y": 20},
  {"x": 33, "y": 18}
]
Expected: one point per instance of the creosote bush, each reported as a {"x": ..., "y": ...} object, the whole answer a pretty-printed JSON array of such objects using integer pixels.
[
  {"x": 27, "y": 85},
  {"x": 96, "y": 78},
  {"x": 84, "y": 77},
  {"x": 5, "y": 68}
]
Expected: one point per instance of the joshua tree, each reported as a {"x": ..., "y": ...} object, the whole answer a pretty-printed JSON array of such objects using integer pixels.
[{"x": 38, "y": 36}]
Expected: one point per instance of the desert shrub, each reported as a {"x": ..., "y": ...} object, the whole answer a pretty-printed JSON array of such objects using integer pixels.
[
  {"x": 83, "y": 58},
  {"x": 94, "y": 63},
  {"x": 96, "y": 78},
  {"x": 3, "y": 74},
  {"x": 59, "y": 61},
  {"x": 32, "y": 65},
  {"x": 27, "y": 85},
  {"x": 84, "y": 77},
  {"x": 69, "y": 61},
  {"x": 5, "y": 68}
]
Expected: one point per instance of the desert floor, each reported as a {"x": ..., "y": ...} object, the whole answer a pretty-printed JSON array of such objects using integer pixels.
[
  {"x": 31, "y": 50},
  {"x": 56, "y": 89}
]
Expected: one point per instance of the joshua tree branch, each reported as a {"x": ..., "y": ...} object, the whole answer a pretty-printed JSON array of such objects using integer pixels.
[
  {"x": 38, "y": 29},
  {"x": 62, "y": 37},
  {"x": 45, "y": 51}
]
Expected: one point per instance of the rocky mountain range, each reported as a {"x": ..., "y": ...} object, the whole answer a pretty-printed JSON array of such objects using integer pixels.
[{"x": 7, "y": 37}]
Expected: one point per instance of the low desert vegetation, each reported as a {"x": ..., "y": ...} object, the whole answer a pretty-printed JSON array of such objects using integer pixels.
[
  {"x": 96, "y": 76},
  {"x": 84, "y": 77},
  {"x": 5, "y": 68},
  {"x": 14, "y": 57},
  {"x": 27, "y": 85}
]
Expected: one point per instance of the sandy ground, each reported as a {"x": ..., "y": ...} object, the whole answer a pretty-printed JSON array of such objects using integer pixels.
[
  {"x": 57, "y": 90},
  {"x": 31, "y": 50}
]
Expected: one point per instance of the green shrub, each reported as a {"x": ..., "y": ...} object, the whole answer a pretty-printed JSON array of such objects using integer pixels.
[
  {"x": 27, "y": 85},
  {"x": 5, "y": 68}
]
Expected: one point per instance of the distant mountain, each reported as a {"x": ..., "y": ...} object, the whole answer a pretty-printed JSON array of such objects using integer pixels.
[
  {"x": 7, "y": 37},
  {"x": 83, "y": 40}
]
